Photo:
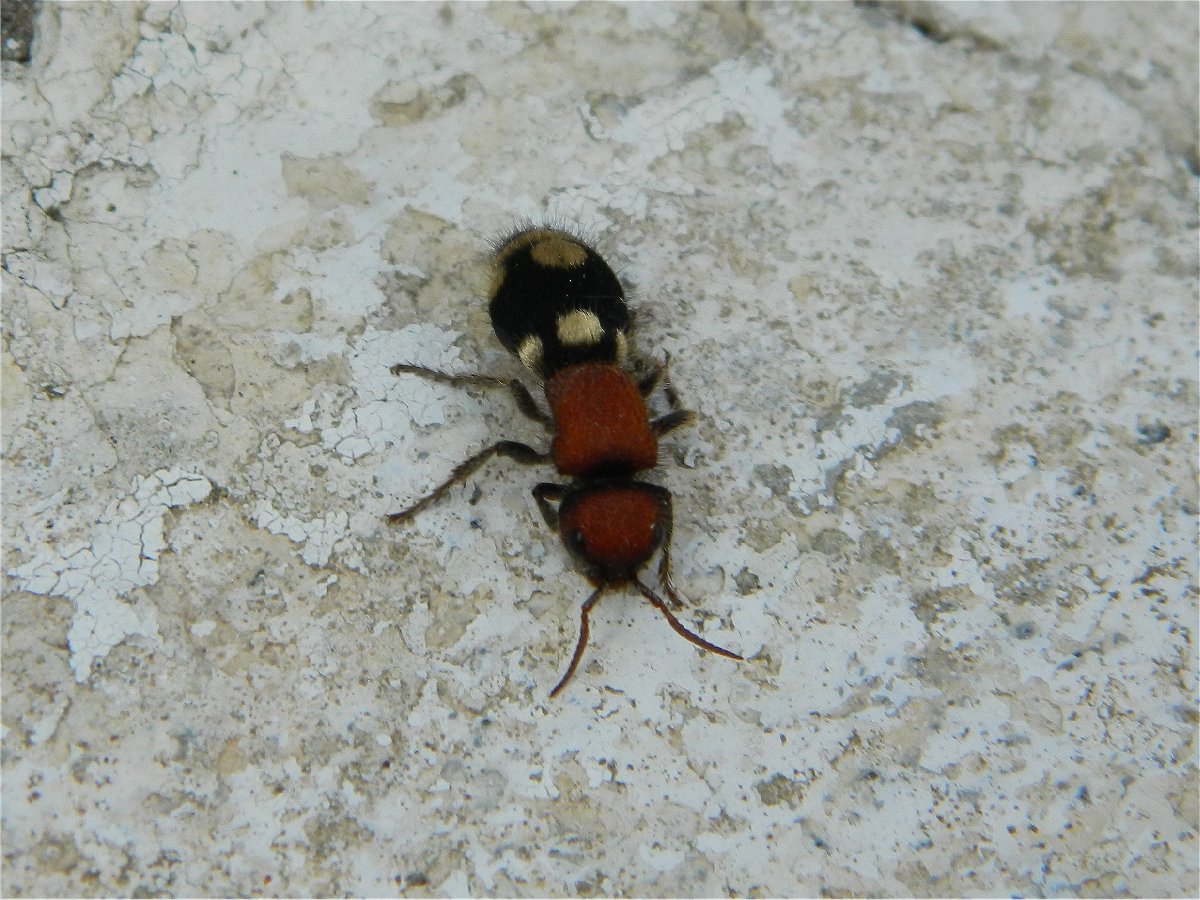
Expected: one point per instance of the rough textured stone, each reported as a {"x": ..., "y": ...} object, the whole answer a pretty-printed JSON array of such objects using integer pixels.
[{"x": 927, "y": 274}]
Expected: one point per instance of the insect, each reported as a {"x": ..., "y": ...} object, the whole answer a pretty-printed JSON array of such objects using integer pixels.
[{"x": 556, "y": 304}]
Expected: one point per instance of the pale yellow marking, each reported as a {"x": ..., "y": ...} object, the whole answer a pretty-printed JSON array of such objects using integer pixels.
[
  {"x": 580, "y": 328},
  {"x": 557, "y": 251},
  {"x": 529, "y": 352},
  {"x": 549, "y": 248}
]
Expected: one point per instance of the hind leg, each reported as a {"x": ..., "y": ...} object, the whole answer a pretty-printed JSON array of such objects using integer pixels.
[{"x": 525, "y": 401}]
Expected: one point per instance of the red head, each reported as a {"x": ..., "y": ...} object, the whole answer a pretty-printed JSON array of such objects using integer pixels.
[{"x": 614, "y": 526}]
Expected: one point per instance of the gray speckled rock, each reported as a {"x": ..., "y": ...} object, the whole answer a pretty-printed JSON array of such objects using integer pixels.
[{"x": 928, "y": 275}]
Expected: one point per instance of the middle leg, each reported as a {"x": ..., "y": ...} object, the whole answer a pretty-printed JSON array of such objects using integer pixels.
[
  {"x": 678, "y": 416},
  {"x": 522, "y": 453}
]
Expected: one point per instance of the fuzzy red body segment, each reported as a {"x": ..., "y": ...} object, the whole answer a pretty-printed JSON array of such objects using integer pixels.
[
  {"x": 617, "y": 526},
  {"x": 601, "y": 421}
]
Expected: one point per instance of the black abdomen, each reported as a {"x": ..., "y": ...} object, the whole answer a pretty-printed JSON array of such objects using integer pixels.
[{"x": 555, "y": 302}]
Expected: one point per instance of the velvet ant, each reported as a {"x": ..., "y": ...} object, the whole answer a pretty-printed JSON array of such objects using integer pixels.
[{"x": 557, "y": 305}]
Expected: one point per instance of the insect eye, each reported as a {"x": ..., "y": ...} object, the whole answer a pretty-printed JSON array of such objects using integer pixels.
[
  {"x": 575, "y": 542},
  {"x": 658, "y": 533}
]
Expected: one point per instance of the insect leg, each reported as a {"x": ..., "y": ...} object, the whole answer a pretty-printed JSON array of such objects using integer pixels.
[
  {"x": 678, "y": 416},
  {"x": 583, "y": 637},
  {"x": 525, "y": 401},
  {"x": 664, "y": 561},
  {"x": 522, "y": 453},
  {"x": 648, "y": 378},
  {"x": 545, "y": 494}
]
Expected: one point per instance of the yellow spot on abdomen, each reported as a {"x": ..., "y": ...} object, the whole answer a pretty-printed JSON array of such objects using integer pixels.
[{"x": 580, "y": 328}]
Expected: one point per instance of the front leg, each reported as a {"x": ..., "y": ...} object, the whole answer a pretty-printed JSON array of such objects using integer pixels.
[
  {"x": 546, "y": 494},
  {"x": 664, "y": 562}
]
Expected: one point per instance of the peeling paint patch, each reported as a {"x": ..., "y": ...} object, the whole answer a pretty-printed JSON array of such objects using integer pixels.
[
  {"x": 387, "y": 405},
  {"x": 122, "y": 555},
  {"x": 317, "y": 535}
]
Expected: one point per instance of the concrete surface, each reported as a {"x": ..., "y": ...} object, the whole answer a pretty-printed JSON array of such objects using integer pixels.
[{"x": 928, "y": 275}]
